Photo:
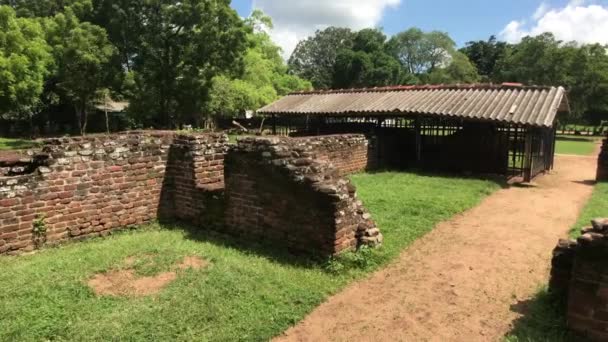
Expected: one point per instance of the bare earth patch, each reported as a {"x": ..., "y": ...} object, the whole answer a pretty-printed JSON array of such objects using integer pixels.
[
  {"x": 127, "y": 283},
  {"x": 470, "y": 278}
]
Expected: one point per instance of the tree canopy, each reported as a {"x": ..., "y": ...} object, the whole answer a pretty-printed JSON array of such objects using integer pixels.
[
  {"x": 25, "y": 61},
  {"x": 185, "y": 61}
]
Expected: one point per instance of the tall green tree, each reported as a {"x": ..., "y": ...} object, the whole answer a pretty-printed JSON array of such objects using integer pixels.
[
  {"x": 366, "y": 64},
  {"x": 82, "y": 52},
  {"x": 49, "y": 8},
  {"x": 422, "y": 52},
  {"x": 182, "y": 45},
  {"x": 485, "y": 55},
  {"x": 314, "y": 58},
  {"x": 25, "y": 61},
  {"x": 264, "y": 77},
  {"x": 432, "y": 57}
]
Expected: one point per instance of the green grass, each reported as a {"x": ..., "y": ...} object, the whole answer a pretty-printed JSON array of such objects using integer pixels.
[
  {"x": 575, "y": 145},
  {"x": 543, "y": 320},
  {"x": 597, "y": 207},
  {"x": 15, "y": 144},
  {"x": 245, "y": 294}
]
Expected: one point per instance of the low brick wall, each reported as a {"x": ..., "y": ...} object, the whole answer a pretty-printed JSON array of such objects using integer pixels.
[
  {"x": 289, "y": 191},
  {"x": 602, "y": 163},
  {"x": 580, "y": 272},
  {"x": 278, "y": 191},
  {"x": 349, "y": 153},
  {"x": 194, "y": 179},
  {"x": 88, "y": 186}
]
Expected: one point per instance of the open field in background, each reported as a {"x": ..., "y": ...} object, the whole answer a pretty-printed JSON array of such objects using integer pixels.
[
  {"x": 243, "y": 294},
  {"x": 577, "y": 145}
]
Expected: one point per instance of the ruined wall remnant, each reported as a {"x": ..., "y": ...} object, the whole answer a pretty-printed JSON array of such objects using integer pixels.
[
  {"x": 195, "y": 179},
  {"x": 580, "y": 272},
  {"x": 286, "y": 191},
  {"x": 349, "y": 153},
  {"x": 279, "y": 191},
  {"x": 81, "y": 187},
  {"x": 602, "y": 163}
]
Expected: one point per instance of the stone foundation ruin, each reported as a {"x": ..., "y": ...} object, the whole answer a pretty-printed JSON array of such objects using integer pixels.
[
  {"x": 287, "y": 192},
  {"x": 580, "y": 272}
]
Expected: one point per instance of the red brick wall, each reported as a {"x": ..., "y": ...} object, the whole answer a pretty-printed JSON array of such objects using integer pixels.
[
  {"x": 580, "y": 272},
  {"x": 93, "y": 185},
  {"x": 349, "y": 153},
  {"x": 278, "y": 192}
]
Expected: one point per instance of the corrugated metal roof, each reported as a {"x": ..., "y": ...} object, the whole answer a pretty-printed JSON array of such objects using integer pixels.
[{"x": 509, "y": 103}]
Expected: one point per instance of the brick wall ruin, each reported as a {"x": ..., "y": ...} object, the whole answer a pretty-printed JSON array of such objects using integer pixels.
[
  {"x": 349, "y": 153},
  {"x": 278, "y": 190},
  {"x": 83, "y": 187},
  {"x": 580, "y": 272}
]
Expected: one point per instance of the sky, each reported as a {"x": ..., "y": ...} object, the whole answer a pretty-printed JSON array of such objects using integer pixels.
[{"x": 465, "y": 20}]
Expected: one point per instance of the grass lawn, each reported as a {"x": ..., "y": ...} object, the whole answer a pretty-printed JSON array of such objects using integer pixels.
[
  {"x": 15, "y": 144},
  {"x": 597, "y": 207},
  {"x": 575, "y": 145},
  {"x": 245, "y": 294},
  {"x": 546, "y": 320}
]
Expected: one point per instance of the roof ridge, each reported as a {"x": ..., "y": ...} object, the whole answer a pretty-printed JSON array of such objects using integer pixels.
[{"x": 463, "y": 86}]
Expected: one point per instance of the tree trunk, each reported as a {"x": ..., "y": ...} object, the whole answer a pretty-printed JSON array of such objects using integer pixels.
[
  {"x": 107, "y": 119},
  {"x": 85, "y": 120}
]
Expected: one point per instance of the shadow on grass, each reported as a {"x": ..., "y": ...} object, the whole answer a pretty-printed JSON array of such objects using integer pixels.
[
  {"x": 275, "y": 253},
  {"x": 578, "y": 138},
  {"x": 590, "y": 182},
  {"x": 501, "y": 181},
  {"x": 543, "y": 319}
]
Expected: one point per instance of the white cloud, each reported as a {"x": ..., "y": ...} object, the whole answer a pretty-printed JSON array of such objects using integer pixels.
[
  {"x": 577, "y": 21},
  {"x": 297, "y": 20}
]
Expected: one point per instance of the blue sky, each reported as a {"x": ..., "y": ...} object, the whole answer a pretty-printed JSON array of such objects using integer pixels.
[{"x": 464, "y": 20}]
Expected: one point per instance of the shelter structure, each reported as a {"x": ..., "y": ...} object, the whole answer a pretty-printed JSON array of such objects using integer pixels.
[{"x": 506, "y": 129}]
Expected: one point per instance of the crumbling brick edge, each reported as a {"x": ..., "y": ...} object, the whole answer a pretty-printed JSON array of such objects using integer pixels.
[{"x": 579, "y": 272}]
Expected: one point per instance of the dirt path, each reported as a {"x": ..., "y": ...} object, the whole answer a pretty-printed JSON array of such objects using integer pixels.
[{"x": 459, "y": 282}]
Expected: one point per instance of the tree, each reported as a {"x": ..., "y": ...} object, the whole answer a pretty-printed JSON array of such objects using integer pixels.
[
  {"x": 25, "y": 60},
  {"x": 49, "y": 8},
  {"x": 82, "y": 53},
  {"x": 459, "y": 70},
  {"x": 366, "y": 64},
  {"x": 485, "y": 55},
  {"x": 264, "y": 77},
  {"x": 182, "y": 45},
  {"x": 422, "y": 52},
  {"x": 314, "y": 58}
]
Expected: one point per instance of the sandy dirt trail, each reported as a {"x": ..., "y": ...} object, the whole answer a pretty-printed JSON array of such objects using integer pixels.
[{"x": 461, "y": 281}]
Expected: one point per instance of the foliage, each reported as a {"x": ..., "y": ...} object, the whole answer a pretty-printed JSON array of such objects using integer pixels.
[
  {"x": 184, "y": 44},
  {"x": 544, "y": 60},
  {"x": 82, "y": 54},
  {"x": 48, "y": 8},
  {"x": 314, "y": 58},
  {"x": 264, "y": 76},
  {"x": 485, "y": 55},
  {"x": 366, "y": 64},
  {"x": 432, "y": 57},
  {"x": 25, "y": 60},
  {"x": 245, "y": 294}
]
